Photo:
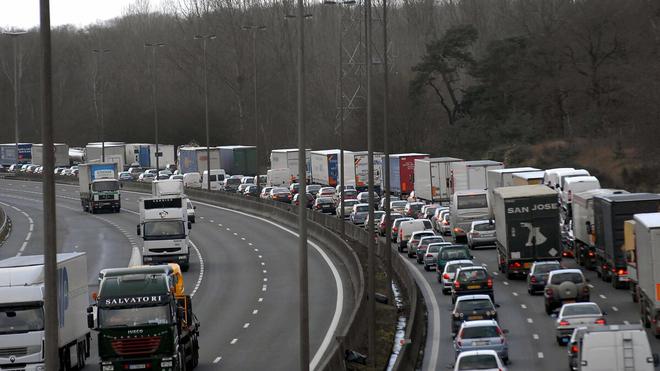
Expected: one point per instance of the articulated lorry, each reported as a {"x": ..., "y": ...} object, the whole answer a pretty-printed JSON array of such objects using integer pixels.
[
  {"x": 288, "y": 158},
  {"x": 99, "y": 187},
  {"x": 239, "y": 160},
  {"x": 326, "y": 168},
  {"x": 610, "y": 212},
  {"x": 527, "y": 225},
  {"x": 165, "y": 230},
  {"x": 432, "y": 178},
  {"x": 467, "y": 175},
  {"x": 504, "y": 177},
  {"x": 647, "y": 249},
  {"x": 402, "y": 173},
  {"x": 144, "y": 320},
  {"x": 22, "y": 319},
  {"x": 61, "y": 152}
]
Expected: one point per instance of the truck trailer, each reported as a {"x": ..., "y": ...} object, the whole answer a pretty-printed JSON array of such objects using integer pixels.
[
  {"x": 527, "y": 226},
  {"x": 138, "y": 154},
  {"x": 360, "y": 161},
  {"x": 114, "y": 152},
  {"x": 468, "y": 175},
  {"x": 8, "y": 154},
  {"x": 22, "y": 311},
  {"x": 239, "y": 160},
  {"x": 647, "y": 247},
  {"x": 61, "y": 154},
  {"x": 99, "y": 187},
  {"x": 610, "y": 211},
  {"x": 326, "y": 169},
  {"x": 432, "y": 176},
  {"x": 528, "y": 178},
  {"x": 402, "y": 172},
  {"x": 167, "y": 155},
  {"x": 503, "y": 177},
  {"x": 194, "y": 159},
  {"x": 288, "y": 158}
]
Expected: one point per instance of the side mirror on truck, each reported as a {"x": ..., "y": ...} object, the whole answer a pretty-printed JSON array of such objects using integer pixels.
[
  {"x": 189, "y": 225},
  {"x": 90, "y": 318},
  {"x": 138, "y": 230}
]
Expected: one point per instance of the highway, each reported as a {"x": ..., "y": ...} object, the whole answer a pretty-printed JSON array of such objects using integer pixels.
[
  {"x": 532, "y": 344},
  {"x": 243, "y": 274}
]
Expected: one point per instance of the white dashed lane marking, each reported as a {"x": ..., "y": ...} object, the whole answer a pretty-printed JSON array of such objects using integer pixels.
[
  {"x": 602, "y": 296},
  {"x": 246, "y": 325},
  {"x": 615, "y": 309},
  {"x": 515, "y": 293},
  {"x": 506, "y": 283},
  {"x": 255, "y": 311},
  {"x": 529, "y": 320},
  {"x": 211, "y": 221},
  {"x": 523, "y": 306},
  {"x": 260, "y": 300},
  {"x": 233, "y": 341},
  {"x": 217, "y": 359},
  {"x": 535, "y": 336},
  {"x": 540, "y": 354}
]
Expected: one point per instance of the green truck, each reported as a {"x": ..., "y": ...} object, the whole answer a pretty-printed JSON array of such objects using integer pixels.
[{"x": 144, "y": 320}]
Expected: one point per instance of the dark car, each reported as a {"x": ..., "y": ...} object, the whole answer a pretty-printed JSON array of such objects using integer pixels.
[
  {"x": 538, "y": 275},
  {"x": 472, "y": 308},
  {"x": 324, "y": 205},
  {"x": 349, "y": 194},
  {"x": 232, "y": 184},
  {"x": 251, "y": 190},
  {"x": 309, "y": 199},
  {"x": 313, "y": 189},
  {"x": 471, "y": 281},
  {"x": 412, "y": 209},
  {"x": 565, "y": 286},
  {"x": 280, "y": 194}
]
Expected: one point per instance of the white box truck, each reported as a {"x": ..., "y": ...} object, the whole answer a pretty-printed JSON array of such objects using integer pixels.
[
  {"x": 647, "y": 246},
  {"x": 167, "y": 187},
  {"x": 470, "y": 175},
  {"x": 61, "y": 154},
  {"x": 326, "y": 168},
  {"x": 279, "y": 177},
  {"x": 22, "y": 312},
  {"x": 167, "y": 155},
  {"x": 114, "y": 152},
  {"x": 99, "y": 187},
  {"x": 288, "y": 158},
  {"x": 432, "y": 176},
  {"x": 615, "y": 347},
  {"x": 360, "y": 161}
]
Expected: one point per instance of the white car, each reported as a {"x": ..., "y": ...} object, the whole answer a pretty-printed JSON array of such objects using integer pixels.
[
  {"x": 576, "y": 315},
  {"x": 482, "y": 360},
  {"x": 446, "y": 278},
  {"x": 190, "y": 208}
]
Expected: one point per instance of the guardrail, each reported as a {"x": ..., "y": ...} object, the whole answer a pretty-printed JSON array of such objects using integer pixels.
[
  {"x": 326, "y": 229},
  {"x": 4, "y": 225}
]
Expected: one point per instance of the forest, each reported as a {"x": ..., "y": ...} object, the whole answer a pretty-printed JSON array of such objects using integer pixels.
[{"x": 534, "y": 82}]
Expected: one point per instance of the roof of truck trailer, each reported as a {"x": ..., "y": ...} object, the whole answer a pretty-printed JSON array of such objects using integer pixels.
[
  {"x": 514, "y": 170},
  {"x": 397, "y": 155},
  {"x": 32, "y": 260},
  {"x": 525, "y": 191},
  {"x": 649, "y": 220},
  {"x": 441, "y": 159},
  {"x": 529, "y": 174},
  {"x": 597, "y": 192},
  {"x": 482, "y": 163},
  {"x": 630, "y": 197}
]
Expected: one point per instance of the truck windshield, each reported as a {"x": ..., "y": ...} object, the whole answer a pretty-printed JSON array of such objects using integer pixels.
[
  {"x": 105, "y": 186},
  {"x": 472, "y": 202},
  {"x": 24, "y": 318},
  {"x": 163, "y": 230},
  {"x": 139, "y": 316}
]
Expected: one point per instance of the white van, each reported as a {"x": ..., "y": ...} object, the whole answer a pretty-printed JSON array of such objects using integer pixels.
[
  {"x": 407, "y": 228},
  {"x": 616, "y": 347},
  {"x": 575, "y": 185},
  {"x": 217, "y": 179},
  {"x": 466, "y": 207},
  {"x": 551, "y": 176},
  {"x": 192, "y": 180},
  {"x": 563, "y": 175}
]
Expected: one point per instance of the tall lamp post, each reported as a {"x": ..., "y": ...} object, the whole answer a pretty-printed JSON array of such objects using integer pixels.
[
  {"x": 99, "y": 58},
  {"x": 254, "y": 29},
  {"x": 386, "y": 154},
  {"x": 15, "y": 35},
  {"x": 204, "y": 39},
  {"x": 153, "y": 47}
]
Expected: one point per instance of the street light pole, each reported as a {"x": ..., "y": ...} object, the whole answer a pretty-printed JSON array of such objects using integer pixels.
[
  {"x": 14, "y": 35},
  {"x": 153, "y": 47},
  {"x": 386, "y": 150},
  {"x": 204, "y": 39},
  {"x": 99, "y": 54},
  {"x": 253, "y": 29}
]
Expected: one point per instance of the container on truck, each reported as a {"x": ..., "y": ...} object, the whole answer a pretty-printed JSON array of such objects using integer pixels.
[
  {"x": 562, "y": 176},
  {"x": 615, "y": 347},
  {"x": 114, "y": 152},
  {"x": 239, "y": 159},
  {"x": 99, "y": 187},
  {"x": 326, "y": 168},
  {"x": 76, "y": 155},
  {"x": 527, "y": 226},
  {"x": 402, "y": 172},
  {"x": 360, "y": 161},
  {"x": 432, "y": 178},
  {"x": 288, "y": 158},
  {"x": 647, "y": 249},
  {"x": 167, "y": 155},
  {"x": 145, "y": 320},
  {"x": 138, "y": 154},
  {"x": 583, "y": 221},
  {"x": 528, "y": 178},
  {"x": 610, "y": 211},
  {"x": 278, "y": 177},
  {"x": 8, "y": 154},
  {"x": 194, "y": 159},
  {"x": 504, "y": 177},
  {"x": 167, "y": 187},
  {"x": 22, "y": 312},
  {"x": 472, "y": 174},
  {"x": 630, "y": 250},
  {"x": 61, "y": 154},
  {"x": 165, "y": 230}
]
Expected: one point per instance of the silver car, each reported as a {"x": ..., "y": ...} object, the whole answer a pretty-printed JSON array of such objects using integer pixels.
[
  {"x": 576, "y": 315},
  {"x": 431, "y": 255},
  {"x": 482, "y": 335},
  {"x": 359, "y": 214},
  {"x": 482, "y": 233},
  {"x": 446, "y": 277},
  {"x": 377, "y": 215},
  {"x": 348, "y": 208},
  {"x": 398, "y": 206},
  {"x": 445, "y": 224},
  {"x": 415, "y": 239}
]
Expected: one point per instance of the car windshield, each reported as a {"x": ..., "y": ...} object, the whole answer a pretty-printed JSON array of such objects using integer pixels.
[
  {"x": 428, "y": 241},
  {"x": 418, "y": 236},
  {"x": 398, "y": 204},
  {"x": 472, "y": 275},
  {"x": 163, "y": 230},
  {"x": 415, "y": 207},
  {"x": 350, "y": 203},
  {"x": 311, "y": 188},
  {"x": 478, "y": 201},
  {"x": 361, "y": 209},
  {"x": 434, "y": 249},
  {"x": 484, "y": 227},
  {"x": 474, "y": 304},
  {"x": 452, "y": 268},
  {"x": 480, "y": 332},
  {"x": 233, "y": 181},
  {"x": 429, "y": 210},
  {"x": 280, "y": 190},
  {"x": 139, "y": 316},
  {"x": 568, "y": 276},
  {"x": 24, "y": 318},
  {"x": 546, "y": 268},
  {"x": 580, "y": 310},
  {"x": 105, "y": 186},
  {"x": 427, "y": 224},
  {"x": 349, "y": 193},
  {"x": 453, "y": 254},
  {"x": 478, "y": 362},
  {"x": 399, "y": 221},
  {"x": 325, "y": 200}
]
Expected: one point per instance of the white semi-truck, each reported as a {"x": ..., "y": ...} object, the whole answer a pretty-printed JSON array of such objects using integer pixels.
[
  {"x": 288, "y": 158},
  {"x": 470, "y": 175},
  {"x": 647, "y": 247},
  {"x": 22, "y": 319},
  {"x": 61, "y": 152},
  {"x": 432, "y": 177}
]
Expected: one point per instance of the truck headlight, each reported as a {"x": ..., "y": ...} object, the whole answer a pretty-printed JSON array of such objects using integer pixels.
[
  {"x": 109, "y": 367},
  {"x": 96, "y": 197},
  {"x": 164, "y": 364}
]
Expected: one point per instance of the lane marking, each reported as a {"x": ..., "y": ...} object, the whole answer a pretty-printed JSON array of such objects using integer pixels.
[
  {"x": 260, "y": 300},
  {"x": 265, "y": 279},
  {"x": 219, "y": 225},
  {"x": 255, "y": 311},
  {"x": 211, "y": 221},
  {"x": 264, "y": 287},
  {"x": 495, "y": 274},
  {"x": 243, "y": 238},
  {"x": 515, "y": 293},
  {"x": 535, "y": 336},
  {"x": 246, "y": 325},
  {"x": 217, "y": 359},
  {"x": 235, "y": 234},
  {"x": 523, "y": 306},
  {"x": 229, "y": 229},
  {"x": 529, "y": 320},
  {"x": 256, "y": 250},
  {"x": 260, "y": 256},
  {"x": 233, "y": 341},
  {"x": 590, "y": 286},
  {"x": 28, "y": 236},
  {"x": 249, "y": 243},
  {"x": 540, "y": 354},
  {"x": 602, "y": 296},
  {"x": 506, "y": 283},
  {"x": 615, "y": 309},
  {"x": 265, "y": 271},
  {"x": 626, "y": 322}
]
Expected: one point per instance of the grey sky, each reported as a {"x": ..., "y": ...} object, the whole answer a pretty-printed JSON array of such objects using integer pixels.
[{"x": 25, "y": 13}]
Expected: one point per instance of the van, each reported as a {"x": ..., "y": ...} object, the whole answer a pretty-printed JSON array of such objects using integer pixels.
[
  {"x": 616, "y": 347},
  {"x": 575, "y": 185},
  {"x": 465, "y": 207},
  {"x": 407, "y": 228},
  {"x": 563, "y": 175},
  {"x": 192, "y": 180},
  {"x": 551, "y": 176},
  {"x": 217, "y": 179}
]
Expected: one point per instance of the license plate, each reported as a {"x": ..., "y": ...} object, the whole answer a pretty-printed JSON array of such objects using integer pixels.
[
  {"x": 623, "y": 279},
  {"x": 472, "y": 318},
  {"x": 137, "y": 367},
  {"x": 480, "y": 343},
  {"x": 470, "y": 287},
  {"x": 527, "y": 265}
]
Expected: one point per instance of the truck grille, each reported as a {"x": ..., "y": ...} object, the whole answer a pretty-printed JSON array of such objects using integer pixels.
[
  {"x": 165, "y": 249},
  {"x": 106, "y": 197},
  {"x": 14, "y": 351},
  {"x": 136, "y": 346}
]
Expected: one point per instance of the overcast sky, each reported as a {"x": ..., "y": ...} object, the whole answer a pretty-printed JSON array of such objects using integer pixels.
[{"x": 24, "y": 14}]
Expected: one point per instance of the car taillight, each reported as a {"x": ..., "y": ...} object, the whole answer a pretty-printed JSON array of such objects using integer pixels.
[
  {"x": 622, "y": 272},
  {"x": 591, "y": 253},
  {"x": 548, "y": 291},
  {"x": 429, "y": 255},
  {"x": 532, "y": 279},
  {"x": 445, "y": 276},
  {"x": 600, "y": 321},
  {"x": 458, "y": 230},
  {"x": 457, "y": 284},
  {"x": 585, "y": 289},
  {"x": 570, "y": 196},
  {"x": 395, "y": 229},
  {"x": 475, "y": 234},
  {"x": 564, "y": 323},
  {"x": 490, "y": 283},
  {"x": 574, "y": 349}
]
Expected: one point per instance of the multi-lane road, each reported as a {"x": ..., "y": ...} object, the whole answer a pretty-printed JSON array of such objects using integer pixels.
[{"x": 242, "y": 274}]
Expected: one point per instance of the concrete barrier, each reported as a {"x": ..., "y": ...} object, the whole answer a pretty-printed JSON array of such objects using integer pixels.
[{"x": 5, "y": 225}]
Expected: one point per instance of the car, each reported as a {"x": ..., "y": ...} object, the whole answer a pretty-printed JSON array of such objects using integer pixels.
[
  {"x": 565, "y": 286},
  {"x": 482, "y": 360},
  {"x": 24, "y": 168},
  {"x": 452, "y": 252},
  {"x": 427, "y": 211},
  {"x": 242, "y": 187},
  {"x": 14, "y": 167},
  {"x": 538, "y": 275},
  {"x": 349, "y": 194},
  {"x": 381, "y": 223},
  {"x": 265, "y": 193},
  {"x": 66, "y": 172},
  {"x": 193, "y": 180},
  {"x": 472, "y": 308},
  {"x": 324, "y": 205},
  {"x": 567, "y": 241},
  {"x": 364, "y": 198},
  {"x": 309, "y": 198},
  {"x": 574, "y": 346},
  {"x": 280, "y": 194},
  {"x": 164, "y": 173},
  {"x": 470, "y": 281},
  {"x": 482, "y": 233},
  {"x": 348, "y": 187},
  {"x": 431, "y": 254},
  {"x": 423, "y": 244},
  {"x": 445, "y": 224},
  {"x": 294, "y": 188},
  {"x": 412, "y": 209},
  {"x": 415, "y": 237},
  {"x": 482, "y": 335},
  {"x": 125, "y": 176},
  {"x": 395, "y": 227},
  {"x": 190, "y": 209},
  {"x": 574, "y": 315},
  {"x": 407, "y": 228},
  {"x": 232, "y": 183},
  {"x": 74, "y": 171},
  {"x": 313, "y": 189},
  {"x": 146, "y": 177},
  {"x": 435, "y": 218},
  {"x": 135, "y": 171},
  {"x": 398, "y": 206},
  {"x": 251, "y": 190},
  {"x": 359, "y": 213},
  {"x": 377, "y": 215},
  {"x": 176, "y": 177},
  {"x": 446, "y": 275},
  {"x": 348, "y": 207},
  {"x": 247, "y": 180}
]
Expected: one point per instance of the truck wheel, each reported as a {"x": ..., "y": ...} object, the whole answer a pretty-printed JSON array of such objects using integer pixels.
[
  {"x": 181, "y": 361},
  {"x": 81, "y": 355},
  {"x": 635, "y": 294}
]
